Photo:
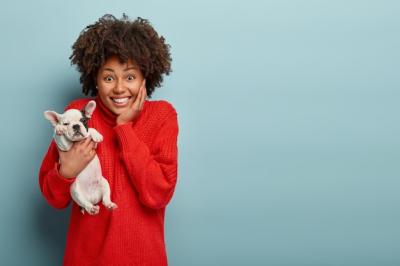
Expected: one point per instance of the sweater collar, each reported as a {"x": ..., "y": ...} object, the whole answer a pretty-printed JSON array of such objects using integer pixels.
[{"x": 109, "y": 116}]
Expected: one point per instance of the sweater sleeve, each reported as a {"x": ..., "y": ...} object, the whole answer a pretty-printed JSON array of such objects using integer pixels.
[
  {"x": 54, "y": 187},
  {"x": 153, "y": 170}
]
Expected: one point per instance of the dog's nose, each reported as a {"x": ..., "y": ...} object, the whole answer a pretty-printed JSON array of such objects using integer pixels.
[{"x": 76, "y": 127}]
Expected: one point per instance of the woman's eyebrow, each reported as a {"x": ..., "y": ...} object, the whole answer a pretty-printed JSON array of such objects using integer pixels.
[{"x": 126, "y": 69}]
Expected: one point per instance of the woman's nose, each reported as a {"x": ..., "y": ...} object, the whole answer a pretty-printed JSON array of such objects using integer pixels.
[{"x": 118, "y": 87}]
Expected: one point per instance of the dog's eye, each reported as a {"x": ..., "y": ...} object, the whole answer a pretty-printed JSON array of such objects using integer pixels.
[
  {"x": 83, "y": 120},
  {"x": 66, "y": 124}
]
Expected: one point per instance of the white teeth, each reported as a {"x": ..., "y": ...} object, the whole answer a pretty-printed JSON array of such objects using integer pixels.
[{"x": 121, "y": 100}]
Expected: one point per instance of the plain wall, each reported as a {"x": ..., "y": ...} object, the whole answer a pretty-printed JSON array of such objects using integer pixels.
[{"x": 289, "y": 128}]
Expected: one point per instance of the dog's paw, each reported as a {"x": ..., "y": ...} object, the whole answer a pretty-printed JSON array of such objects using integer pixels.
[
  {"x": 92, "y": 210},
  {"x": 110, "y": 206},
  {"x": 96, "y": 136},
  {"x": 60, "y": 129}
]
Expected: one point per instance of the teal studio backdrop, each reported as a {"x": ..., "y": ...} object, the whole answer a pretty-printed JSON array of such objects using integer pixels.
[{"x": 289, "y": 142}]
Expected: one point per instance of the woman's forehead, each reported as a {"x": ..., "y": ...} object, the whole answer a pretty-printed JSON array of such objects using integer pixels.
[{"x": 114, "y": 63}]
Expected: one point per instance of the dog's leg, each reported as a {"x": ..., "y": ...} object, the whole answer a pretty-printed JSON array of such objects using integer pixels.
[
  {"x": 78, "y": 197},
  {"x": 95, "y": 135},
  {"x": 105, "y": 188}
]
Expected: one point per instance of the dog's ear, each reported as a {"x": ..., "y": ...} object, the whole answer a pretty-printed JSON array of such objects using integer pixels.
[
  {"x": 89, "y": 108},
  {"x": 53, "y": 117}
]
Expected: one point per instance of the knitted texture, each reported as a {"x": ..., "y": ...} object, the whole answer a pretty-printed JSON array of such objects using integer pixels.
[{"x": 139, "y": 160}]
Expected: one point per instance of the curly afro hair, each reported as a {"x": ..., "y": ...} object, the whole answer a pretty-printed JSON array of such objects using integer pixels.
[{"x": 136, "y": 40}]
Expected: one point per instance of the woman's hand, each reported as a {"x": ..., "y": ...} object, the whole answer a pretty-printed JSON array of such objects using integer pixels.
[
  {"x": 135, "y": 107},
  {"x": 72, "y": 162}
]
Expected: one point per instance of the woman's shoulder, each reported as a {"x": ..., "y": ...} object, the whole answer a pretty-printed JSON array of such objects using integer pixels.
[{"x": 161, "y": 107}]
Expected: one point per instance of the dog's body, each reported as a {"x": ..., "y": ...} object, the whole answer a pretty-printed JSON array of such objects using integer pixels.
[{"x": 90, "y": 186}]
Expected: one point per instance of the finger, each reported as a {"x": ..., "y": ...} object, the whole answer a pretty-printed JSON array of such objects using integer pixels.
[
  {"x": 92, "y": 153},
  {"x": 144, "y": 83},
  {"x": 91, "y": 144},
  {"x": 143, "y": 93},
  {"x": 137, "y": 100},
  {"x": 86, "y": 142},
  {"x": 82, "y": 141},
  {"x": 90, "y": 149},
  {"x": 142, "y": 86},
  {"x": 143, "y": 98}
]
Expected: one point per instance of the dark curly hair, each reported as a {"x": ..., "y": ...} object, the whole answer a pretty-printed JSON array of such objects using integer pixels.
[{"x": 136, "y": 40}]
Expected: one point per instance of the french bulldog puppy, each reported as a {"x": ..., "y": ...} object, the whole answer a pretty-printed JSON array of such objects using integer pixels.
[{"x": 89, "y": 186}]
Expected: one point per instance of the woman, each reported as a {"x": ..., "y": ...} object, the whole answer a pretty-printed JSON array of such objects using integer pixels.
[{"x": 120, "y": 62}]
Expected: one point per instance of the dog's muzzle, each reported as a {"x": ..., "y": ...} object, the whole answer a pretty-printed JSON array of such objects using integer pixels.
[{"x": 77, "y": 131}]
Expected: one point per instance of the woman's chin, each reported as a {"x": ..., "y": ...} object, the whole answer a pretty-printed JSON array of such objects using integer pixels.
[{"x": 117, "y": 111}]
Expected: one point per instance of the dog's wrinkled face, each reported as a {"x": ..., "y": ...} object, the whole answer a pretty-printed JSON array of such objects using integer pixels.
[{"x": 73, "y": 123}]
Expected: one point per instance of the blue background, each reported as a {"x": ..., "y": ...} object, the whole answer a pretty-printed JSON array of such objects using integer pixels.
[{"x": 289, "y": 142}]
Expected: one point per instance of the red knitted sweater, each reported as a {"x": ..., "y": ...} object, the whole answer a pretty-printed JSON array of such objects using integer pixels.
[{"x": 139, "y": 160}]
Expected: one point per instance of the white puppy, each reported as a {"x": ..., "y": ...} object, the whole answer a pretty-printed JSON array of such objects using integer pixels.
[{"x": 90, "y": 186}]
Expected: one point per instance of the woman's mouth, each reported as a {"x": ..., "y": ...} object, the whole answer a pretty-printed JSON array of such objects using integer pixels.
[{"x": 120, "y": 101}]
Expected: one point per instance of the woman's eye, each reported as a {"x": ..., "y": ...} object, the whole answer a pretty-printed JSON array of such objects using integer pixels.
[
  {"x": 108, "y": 78},
  {"x": 130, "y": 77},
  {"x": 66, "y": 124}
]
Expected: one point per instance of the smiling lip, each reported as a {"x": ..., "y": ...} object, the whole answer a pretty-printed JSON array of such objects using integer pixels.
[{"x": 120, "y": 103}]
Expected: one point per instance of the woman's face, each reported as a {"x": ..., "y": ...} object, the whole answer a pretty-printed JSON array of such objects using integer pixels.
[{"x": 118, "y": 84}]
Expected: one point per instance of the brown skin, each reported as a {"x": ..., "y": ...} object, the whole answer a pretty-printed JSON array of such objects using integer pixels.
[
  {"x": 134, "y": 108},
  {"x": 107, "y": 38},
  {"x": 114, "y": 79},
  {"x": 110, "y": 36},
  {"x": 72, "y": 162},
  {"x": 120, "y": 80}
]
